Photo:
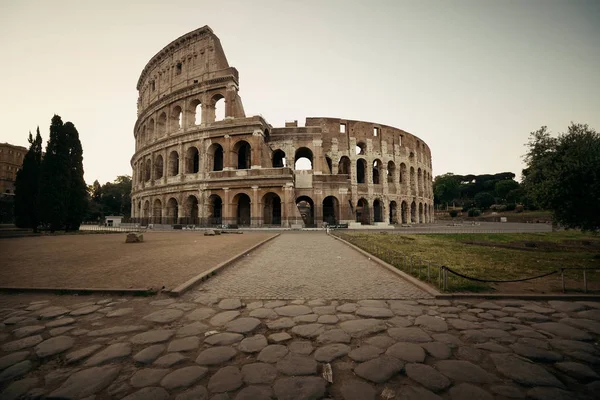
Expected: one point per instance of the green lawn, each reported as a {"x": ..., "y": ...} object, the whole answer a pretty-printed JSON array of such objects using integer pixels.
[{"x": 490, "y": 256}]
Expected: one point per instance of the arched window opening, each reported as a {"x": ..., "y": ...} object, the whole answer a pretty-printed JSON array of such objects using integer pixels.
[
  {"x": 362, "y": 212},
  {"x": 425, "y": 214},
  {"x": 420, "y": 182},
  {"x": 150, "y": 135},
  {"x": 195, "y": 112},
  {"x": 421, "y": 219},
  {"x": 192, "y": 161},
  {"x": 242, "y": 149},
  {"x": 172, "y": 211},
  {"x": 215, "y": 210},
  {"x": 143, "y": 138},
  {"x": 306, "y": 207},
  {"x": 146, "y": 214},
  {"x": 413, "y": 213},
  {"x": 219, "y": 102},
  {"x": 403, "y": 173},
  {"x": 173, "y": 164},
  {"x": 176, "y": 117},
  {"x": 329, "y": 164},
  {"x": 157, "y": 212},
  {"x": 158, "y": 167},
  {"x": 393, "y": 212},
  {"x": 215, "y": 157},
  {"x": 191, "y": 211},
  {"x": 139, "y": 210},
  {"x": 331, "y": 210},
  {"x": 148, "y": 171},
  {"x": 279, "y": 159},
  {"x": 404, "y": 212},
  {"x": 344, "y": 166},
  {"x": 243, "y": 215},
  {"x": 376, "y": 172},
  {"x": 391, "y": 171},
  {"x": 161, "y": 124},
  {"x": 413, "y": 183},
  {"x": 377, "y": 211},
  {"x": 271, "y": 209},
  {"x": 361, "y": 167},
  {"x": 361, "y": 148},
  {"x": 303, "y": 159}
]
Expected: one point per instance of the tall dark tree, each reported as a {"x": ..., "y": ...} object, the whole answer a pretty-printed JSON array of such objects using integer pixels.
[
  {"x": 55, "y": 182},
  {"x": 77, "y": 187},
  {"x": 27, "y": 185}
]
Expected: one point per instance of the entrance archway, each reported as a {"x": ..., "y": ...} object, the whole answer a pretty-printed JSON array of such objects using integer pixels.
[
  {"x": 271, "y": 209},
  {"x": 404, "y": 212},
  {"x": 242, "y": 150},
  {"x": 393, "y": 212},
  {"x": 413, "y": 213},
  {"x": 377, "y": 211},
  {"x": 362, "y": 212},
  {"x": 157, "y": 212},
  {"x": 215, "y": 210},
  {"x": 306, "y": 207},
  {"x": 243, "y": 207},
  {"x": 421, "y": 219},
  {"x": 331, "y": 210},
  {"x": 191, "y": 210},
  {"x": 172, "y": 211}
]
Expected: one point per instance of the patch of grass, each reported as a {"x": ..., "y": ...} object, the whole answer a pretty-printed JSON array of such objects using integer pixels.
[{"x": 502, "y": 256}]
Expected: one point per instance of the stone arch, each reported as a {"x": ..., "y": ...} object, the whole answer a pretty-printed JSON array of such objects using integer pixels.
[
  {"x": 377, "y": 210},
  {"x": 331, "y": 210},
  {"x": 421, "y": 219},
  {"x": 192, "y": 160},
  {"x": 344, "y": 166},
  {"x": 329, "y": 164},
  {"x": 271, "y": 209},
  {"x": 303, "y": 153},
  {"x": 150, "y": 132},
  {"x": 172, "y": 211},
  {"x": 361, "y": 148},
  {"x": 243, "y": 206},
  {"x": 148, "y": 170},
  {"x": 158, "y": 167},
  {"x": 425, "y": 213},
  {"x": 376, "y": 171},
  {"x": 361, "y": 169},
  {"x": 362, "y": 211},
  {"x": 191, "y": 210},
  {"x": 420, "y": 182},
  {"x": 402, "y": 179},
  {"x": 176, "y": 119},
  {"x": 142, "y": 138},
  {"x": 215, "y": 210},
  {"x": 393, "y": 217},
  {"x": 306, "y": 207},
  {"x": 217, "y": 108},
  {"x": 242, "y": 154},
  {"x": 279, "y": 159},
  {"x": 215, "y": 157},
  {"x": 173, "y": 163},
  {"x": 413, "y": 213},
  {"x": 413, "y": 183},
  {"x": 157, "y": 212},
  {"x": 195, "y": 112},
  {"x": 404, "y": 212},
  {"x": 146, "y": 211},
  {"x": 161, "y": 124},
  {"x": 391, "y": 171}
]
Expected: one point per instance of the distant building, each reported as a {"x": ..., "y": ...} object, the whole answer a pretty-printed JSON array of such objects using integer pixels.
[
  {"x": 113, "y": 220},
  {"x": 11, "y": 160}
]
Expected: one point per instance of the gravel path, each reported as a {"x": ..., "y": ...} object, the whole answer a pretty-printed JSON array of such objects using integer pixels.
[{"x": 309, "y": 265}]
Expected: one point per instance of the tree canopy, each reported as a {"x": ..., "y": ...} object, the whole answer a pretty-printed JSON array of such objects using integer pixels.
[
  {"x": 463, "y": 189},
  {"x": 112, "y": 198},
  {"x": 27, "y": 185}
]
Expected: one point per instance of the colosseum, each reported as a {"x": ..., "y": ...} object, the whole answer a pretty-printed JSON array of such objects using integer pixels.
[{"x": 195, "y": 164}]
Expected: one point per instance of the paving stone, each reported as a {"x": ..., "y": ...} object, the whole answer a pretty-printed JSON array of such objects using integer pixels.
[
  {"x": 255, "y": 393},
  {"x": 301, "y": 347},
  {"x": 164, "y": 316},
  {"x": 216, "y": 355},
  {"x": 13, "y": 320},
  {"x": 258, "y": 373},
  {"x": 274, "y": 304},
  {"x": 563, "y": 331},
  {"x": 542, "y": 344},
  {"x": 87, "y": 382},
  {"x": 15, "y": 370},
  {"x": 507, "y": 391},
  {"x": 149, "y": 354},
  {"x": 281, "y": 323},
  {"x": 582, "y": 356},
  {"x": 304, "y": 319},
  {"x": 243, "y": 325},
  {"x": 372, "y": 303},
  {"x": 328, "y": 319},
  {"x": 528, "y": 333},
  {"x": 448, "y": 339},
  {"x": 566, "y": 306},
  {"x": 532, "y": 317},
  {"x": 577, "y": 370},
  {"x": 469, "y": 353},
  {"x": 403, "y": 309},
  {"x": 333, "y": 336},
  {"x": 509, "y": 320},
  {"x": 521, "y": 371},
  {"x": 226, "y": 379},
  {"x": 163, "y": 302},
  {"x": 347, "y": 308},
  {"x": 112, "y": 352},
  {"x": 200, "y": 314},
  {"x": 184, "y": 344},
  {"x": 381, "y": 341},
  {"x": 149, "y": 393},
  {"x": 119, "y": 312},
  {"x": 412, "y": 334},
  {"x": 486, "y": 305},
  {"x": 431, "y": 323},
  {"x": 461, "y": 324},
  {"x": 308, "y": 330},
  {"x": 13, "y": 358},
  {"x": 374, "y": 312},
  {"x": 265, "y": 313},
  {"x": 254, "y": 305},
  {"x": 298, "y": 301},
  {"x": 114, "y": 330},
  {"x": 535, "y": 353},
  {"x": 154, "y": 336},
  {"x": 279, "y": 337},
  {"x": 183, "y": 377},
  {"x": 60, "y": 331},
  {"x": 438, "y": 350},
  {"x": 293, "y": 310},
  {"x": 427, "y": 376},
  {"x": 56, "y": 376},
  {"x": 324, "y": 310},
  {"x": 572, "y": 345},
  {"x": 487, "y": 316},
  {"x": 299, "y": 388},
  {"x": 196, "y": 393},
  {"x": 80, "y": 354},
  {"x": 415, "y": 393},
  {"x": 537, "y": 309},
  {"x": 493, "y": 347},
  {"x": 253, "y": 344},
  {"x": 272, "y": 353},
  {"x": 379, "y": 369},
  {"x": 183, "y": 306},
  {"x": 60, "y": 322},
  {"x": 224, "y": 317},
  {"x": 52, "y": 312},
  {"x": 330, "y": 352},
  {"x": 54, "y": 346},
  {"x": 230, "y": 304},
  {"x": 550, "y": 393},
  {"x": 468, "y": 391},
  {"x": 206, "y": 299},
  {"x": 362, "y": 327},
  {"x": 409, "y": 352},
  {"x": 148, "y": 377},
  {"x": 296, "y": 364},
  {"x": 587, "y": 324},
  {"x": 193, "y": 329},
  {"x": 357, "y": 390},
  {"x": 20, "y": 344},
  {"x": 463, "y": 371},
  {"x": 400, "y": 322},
  {"x": 170, "y": 359},
  {"x": 18, "y": 389},
  {"x": 85, "y": 310},
  {"x": 28, "y": 331},
  {"x": 222, "y": 339},
  {"x": 365, "y": 352}
]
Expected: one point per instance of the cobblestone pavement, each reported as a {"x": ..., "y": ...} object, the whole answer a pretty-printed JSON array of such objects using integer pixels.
[
  {"x": 203, "y": 347},
  {"x": 309, "y": 265}
]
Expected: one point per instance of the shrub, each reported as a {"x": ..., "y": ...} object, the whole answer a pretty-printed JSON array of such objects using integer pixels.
[
  {"x": 474, "y": 212},
  {"x": 453, "y": 213},
  {"x": 511, "y": 207},
  {"x": 498, "y": 207},
  {"x": 519, "y": 208},
  {"x": 484, "y": 200}
]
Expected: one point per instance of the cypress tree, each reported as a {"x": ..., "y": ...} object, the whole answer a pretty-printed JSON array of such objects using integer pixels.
[
  {"x": 27, "y": 185},
  {"x": 77, "y": 186},
  {"x": 55, "y": 179}
]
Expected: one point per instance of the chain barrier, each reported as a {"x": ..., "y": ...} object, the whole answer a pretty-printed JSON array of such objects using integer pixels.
[{"x": 499, "y": 281}]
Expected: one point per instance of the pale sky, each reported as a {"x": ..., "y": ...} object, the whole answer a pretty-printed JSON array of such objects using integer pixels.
[{"x": 471, "y": 78}]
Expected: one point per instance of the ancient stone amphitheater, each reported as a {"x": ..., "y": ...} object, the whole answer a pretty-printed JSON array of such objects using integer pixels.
[{"x": 194, "y": 166}]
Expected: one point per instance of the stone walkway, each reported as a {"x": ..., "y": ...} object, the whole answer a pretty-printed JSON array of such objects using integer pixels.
[
  {"x": 309, "y": 265},
  {"x": 203, "y": 347}
]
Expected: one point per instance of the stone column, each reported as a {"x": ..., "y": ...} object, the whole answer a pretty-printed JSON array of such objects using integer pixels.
[
  {"x": 226, "y": 211},
  {"x": 255, "y": 217}
]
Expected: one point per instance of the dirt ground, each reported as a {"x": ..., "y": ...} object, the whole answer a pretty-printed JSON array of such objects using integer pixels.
[{"x": 106, "y": 261}]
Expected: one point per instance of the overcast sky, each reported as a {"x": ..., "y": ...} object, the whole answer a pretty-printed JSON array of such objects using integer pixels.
[{"x": 471, "y": 78}]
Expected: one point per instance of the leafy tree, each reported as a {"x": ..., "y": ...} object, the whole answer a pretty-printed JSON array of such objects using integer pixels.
[
  {"x": 112, "y": 198},
  {"x": 445, "y": 188},
  {"x": 26, "y": 185},
  {"x": 484, "y": 200},
  {"x": 55, "y": 182},
  {"x": 504, "y": 187},
  {"x": 563, "y": 175},
  {"x": 77, "y": 186}
]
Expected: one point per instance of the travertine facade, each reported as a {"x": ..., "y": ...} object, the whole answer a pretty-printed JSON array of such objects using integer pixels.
[
  {"x": 11, "y": 160},
  {"x": 193, "y": 167}
]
